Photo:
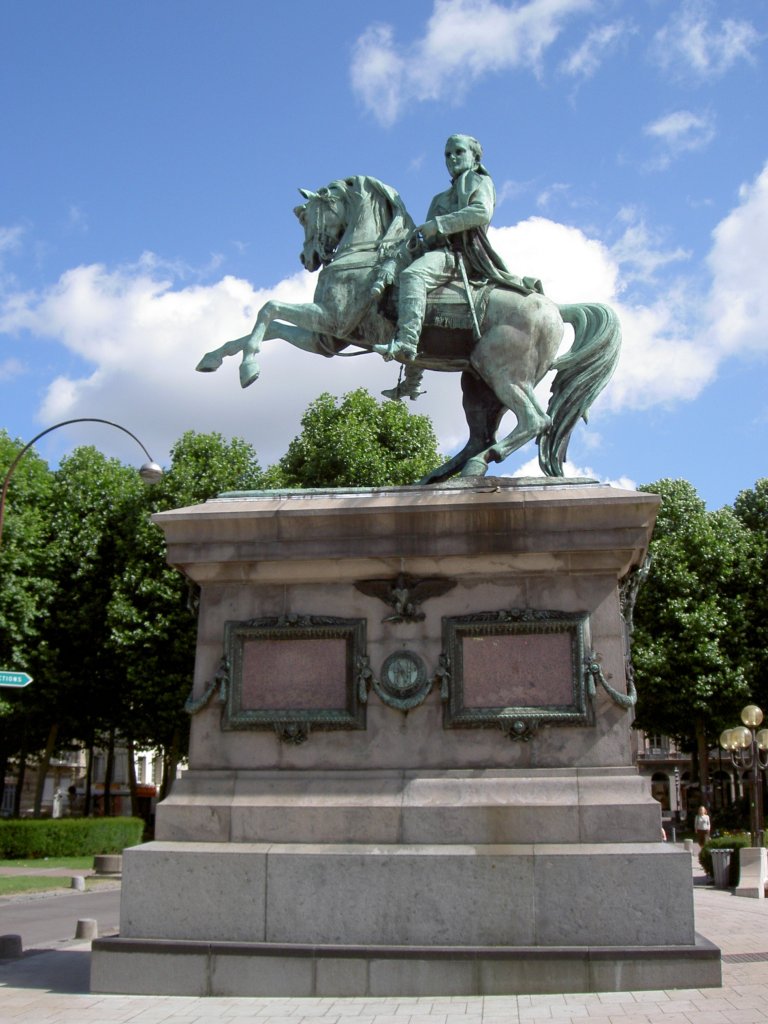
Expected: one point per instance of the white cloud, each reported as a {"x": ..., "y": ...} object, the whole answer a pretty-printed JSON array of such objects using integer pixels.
[
  {"x": 689, "y": 45},
  {"x": 77, "y": 219},
  {"x": 682, "y": 130},
  {"x": 378, "y": 71},
  {"x": 570, "y": 471},
  {"x": 584, "y": 61},
  {"x": 10, "y": 368},
  {"x": 638, "y": 251},
  {"x": 10, "y": 238},
  {"x": 464, "y": 40},
  {"x": 556, "y": 189},
  {"x": 570, "y": 265},
  {"x": 738, "y": 304},
  {"x": 679, "y": 132}
]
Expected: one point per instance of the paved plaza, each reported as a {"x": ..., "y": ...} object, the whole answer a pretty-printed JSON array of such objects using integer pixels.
[{"x": 50, "y": 987}]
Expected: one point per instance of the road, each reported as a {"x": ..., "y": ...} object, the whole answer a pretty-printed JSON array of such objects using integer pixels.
[{"x": 45, "y": 919}]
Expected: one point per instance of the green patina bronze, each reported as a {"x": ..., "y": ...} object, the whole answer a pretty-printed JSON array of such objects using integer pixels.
[{"x": 438, "y": 297}]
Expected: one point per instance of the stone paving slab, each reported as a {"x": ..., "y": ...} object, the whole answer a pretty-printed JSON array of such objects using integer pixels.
[{"x": 50, "y": 987}]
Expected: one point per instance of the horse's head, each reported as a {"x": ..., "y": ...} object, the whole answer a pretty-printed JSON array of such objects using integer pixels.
[{"x": 323, "y": 217}]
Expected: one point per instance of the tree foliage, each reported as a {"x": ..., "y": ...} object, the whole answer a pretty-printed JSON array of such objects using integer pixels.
[
  {"x": 751, "y": 509},
  {"x": 357, "y": 442},
  {"x": 690, "y": 619},
  {"x": 25, "y": 584}
]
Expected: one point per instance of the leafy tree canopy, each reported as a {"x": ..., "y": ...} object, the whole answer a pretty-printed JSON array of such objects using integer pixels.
[
  {"x": 357, "y": 442},
  {"x": 690, "y": 618},
  {"x": 25, "y": 587}
]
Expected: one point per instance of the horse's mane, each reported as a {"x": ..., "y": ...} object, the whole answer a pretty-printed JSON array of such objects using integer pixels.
[{"x": 385, "y": 204}]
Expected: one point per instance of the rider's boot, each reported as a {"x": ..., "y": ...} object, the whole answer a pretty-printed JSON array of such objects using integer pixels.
[
  {"x": 409, "y": 387},
  {"x": 411, "y": 306}
]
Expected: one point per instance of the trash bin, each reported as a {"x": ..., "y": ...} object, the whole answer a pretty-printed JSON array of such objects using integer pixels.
[{"x": 721, "y": 867}]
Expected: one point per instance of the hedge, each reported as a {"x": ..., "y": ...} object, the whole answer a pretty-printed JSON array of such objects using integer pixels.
[
  {"x": 67, "y": 837},
  {"x": 735, "y": 842}
]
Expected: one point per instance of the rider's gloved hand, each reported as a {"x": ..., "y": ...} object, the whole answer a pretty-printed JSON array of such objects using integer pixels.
[
  {"x": 428, "y": 231},
  {"x": 385, "y": 276}
]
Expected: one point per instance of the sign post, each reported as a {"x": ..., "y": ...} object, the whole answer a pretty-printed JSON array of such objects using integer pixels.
[{"x": 14, "y": 679}]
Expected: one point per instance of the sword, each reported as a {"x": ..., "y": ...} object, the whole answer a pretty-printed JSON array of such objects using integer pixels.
[{"x": 465, "y": 279}]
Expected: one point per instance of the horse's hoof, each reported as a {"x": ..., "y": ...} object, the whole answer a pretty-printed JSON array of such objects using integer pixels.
[
  {"x": 249, "y": 372},
  {"x": 209, "y": 363}
]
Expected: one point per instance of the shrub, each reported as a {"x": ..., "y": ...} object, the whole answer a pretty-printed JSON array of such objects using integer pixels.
[
  {"x": 733, "y": 842},
  {"x": 68, "y": 837}
]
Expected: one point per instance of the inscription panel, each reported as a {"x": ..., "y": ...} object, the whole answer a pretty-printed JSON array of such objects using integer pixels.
[
  {"x": 294, "y": 674},
  {"x": 294, "y": 670},
  {"x": 519, "y": 665},
  {"x": 526, "y": 670}
]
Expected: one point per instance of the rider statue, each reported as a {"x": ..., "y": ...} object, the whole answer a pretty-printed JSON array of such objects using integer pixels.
[{"x": 451, "y": 243}]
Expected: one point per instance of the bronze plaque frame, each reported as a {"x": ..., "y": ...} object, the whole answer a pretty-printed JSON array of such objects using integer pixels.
[
  {"x": 460, "y": 713},
  {"x": 294, "y": 630}
]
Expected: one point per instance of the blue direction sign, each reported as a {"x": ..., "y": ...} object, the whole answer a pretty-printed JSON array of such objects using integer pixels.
[{"x": 17, "y": 679}]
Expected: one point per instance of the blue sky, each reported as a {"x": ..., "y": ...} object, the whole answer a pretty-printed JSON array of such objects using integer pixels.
[{"x": 151, "y": 154}]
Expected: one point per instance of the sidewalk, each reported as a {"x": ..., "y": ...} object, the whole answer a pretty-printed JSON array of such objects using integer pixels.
[{"x": 51, "y": 987}]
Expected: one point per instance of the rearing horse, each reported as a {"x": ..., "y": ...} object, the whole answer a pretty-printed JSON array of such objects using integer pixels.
[{"x": 355, "y": 223}]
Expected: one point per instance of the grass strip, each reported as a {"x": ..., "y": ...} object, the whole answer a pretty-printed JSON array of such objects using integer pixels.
[
  {"x": 49, "y": 862},
  {"x": 16, "y": 885}
]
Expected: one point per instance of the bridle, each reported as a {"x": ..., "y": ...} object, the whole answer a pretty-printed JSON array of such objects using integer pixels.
[{"x": 324, "y": 241}]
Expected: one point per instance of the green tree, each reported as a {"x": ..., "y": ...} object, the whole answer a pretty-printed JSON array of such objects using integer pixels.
[
  {"x": 751, "y": 508},
  {"x": 26, "y": 593},
  {"x": 97, "y": 505},
  {"x": 152, "y": 609},
  {"x": 357, "y": 442},
  {"x": 25, "y": 586},
  {"x": 690, "y": 621}
]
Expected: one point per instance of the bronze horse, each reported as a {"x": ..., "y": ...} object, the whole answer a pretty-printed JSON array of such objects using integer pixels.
[{"x": 354, "y": 224}]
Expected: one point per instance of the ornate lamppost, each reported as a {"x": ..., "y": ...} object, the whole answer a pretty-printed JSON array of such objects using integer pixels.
[
  {"x": 748, "y": 748},
  {"x": 150, "y": 472}
]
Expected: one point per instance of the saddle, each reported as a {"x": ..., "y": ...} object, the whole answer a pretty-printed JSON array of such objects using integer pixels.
[{"x": 447, "y": 306}]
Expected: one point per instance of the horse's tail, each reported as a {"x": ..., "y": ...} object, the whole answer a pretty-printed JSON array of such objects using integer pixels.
[{"x": 582, "y": 373}]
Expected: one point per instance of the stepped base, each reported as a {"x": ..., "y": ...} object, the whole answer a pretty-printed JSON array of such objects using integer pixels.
[{"x": 185, "y": 968}]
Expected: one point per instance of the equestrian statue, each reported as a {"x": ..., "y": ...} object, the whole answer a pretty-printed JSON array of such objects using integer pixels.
[{"x": 438, "y": 297}]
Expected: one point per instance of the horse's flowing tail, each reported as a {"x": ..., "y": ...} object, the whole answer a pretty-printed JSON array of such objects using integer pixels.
[{"x": 582, "y": 373}]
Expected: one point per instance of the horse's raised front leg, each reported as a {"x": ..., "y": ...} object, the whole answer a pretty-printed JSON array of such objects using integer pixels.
[
  {"x": 308, "y": 318},
  {"x": 212, "y": 360}
]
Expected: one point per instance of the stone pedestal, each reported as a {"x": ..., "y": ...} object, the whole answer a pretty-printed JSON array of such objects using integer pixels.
[
  {"x": 753, "y": 874},
  {"x": 410, "y": 762}
]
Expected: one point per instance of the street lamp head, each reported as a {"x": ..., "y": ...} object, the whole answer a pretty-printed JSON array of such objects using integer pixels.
[
  {"x": 742, "y": 737},
  {"x": 762, "y": 739},
  {"x": 752, "y": 716},
  {"x": 726, "y": 739},
  {"x": 151, "y": 473}
]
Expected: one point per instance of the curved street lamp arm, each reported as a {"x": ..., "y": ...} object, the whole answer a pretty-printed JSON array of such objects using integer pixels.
[{"x": 64, "y": 423}]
